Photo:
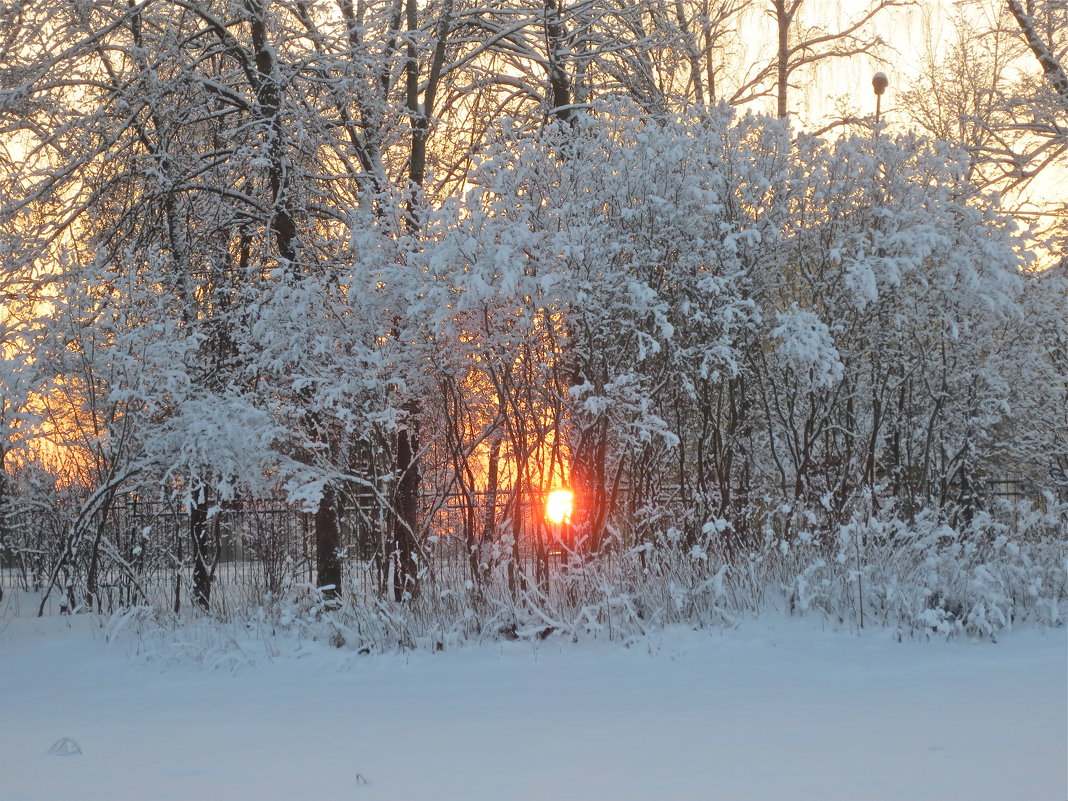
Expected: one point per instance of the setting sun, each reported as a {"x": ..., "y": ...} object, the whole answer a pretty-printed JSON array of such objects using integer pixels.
[{"x": 558, "y": 506}]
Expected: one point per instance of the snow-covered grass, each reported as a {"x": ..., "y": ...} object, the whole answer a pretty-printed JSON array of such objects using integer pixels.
[
  {"x": 770, "y": 708},
  {"x": 918, "y": 580}
]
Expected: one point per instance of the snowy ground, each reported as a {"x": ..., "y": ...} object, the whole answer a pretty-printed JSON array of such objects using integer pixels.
[{"x": 775, "y": 709}]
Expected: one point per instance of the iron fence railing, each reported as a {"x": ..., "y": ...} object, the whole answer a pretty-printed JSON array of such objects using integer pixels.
[{"x": 140, "y": 552}]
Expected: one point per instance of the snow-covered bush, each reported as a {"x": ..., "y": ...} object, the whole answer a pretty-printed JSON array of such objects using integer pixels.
[
  {"x": 767, "y": 365},
  {"x": 923, "y": 579}
]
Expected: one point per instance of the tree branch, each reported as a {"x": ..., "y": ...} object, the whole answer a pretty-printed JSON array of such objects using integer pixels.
[{"x": 1050, "y": 66}]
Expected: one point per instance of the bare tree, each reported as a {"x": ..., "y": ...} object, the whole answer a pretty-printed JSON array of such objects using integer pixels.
[{"x": 999, "y": 91}]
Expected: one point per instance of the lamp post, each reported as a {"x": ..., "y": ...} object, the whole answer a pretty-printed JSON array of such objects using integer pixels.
[{"x": 879, "y": 82}]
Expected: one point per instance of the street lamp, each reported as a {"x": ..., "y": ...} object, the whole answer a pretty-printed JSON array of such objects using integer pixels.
[{"x": 879, "y": 82}]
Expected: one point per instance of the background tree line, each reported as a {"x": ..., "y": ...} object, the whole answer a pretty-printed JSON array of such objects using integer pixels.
[{"x": 413, "y": 252}]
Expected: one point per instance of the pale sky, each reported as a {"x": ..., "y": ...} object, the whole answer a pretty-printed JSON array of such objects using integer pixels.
[{"x": 910, "y": 32}]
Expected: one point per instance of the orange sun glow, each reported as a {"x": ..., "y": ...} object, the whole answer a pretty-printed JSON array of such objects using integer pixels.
[{"x": 558, "y": 506}]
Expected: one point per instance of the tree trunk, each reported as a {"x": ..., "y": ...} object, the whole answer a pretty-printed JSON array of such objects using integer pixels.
[
  {"x": 200, "y": 539},
  {"x": 784, "y": 15},
  {"x": 328, "y": 546},
  {"x": 406, "y": 516},
  {"x": 559, "y": 81},
  {"x": 3, "y": 515}
]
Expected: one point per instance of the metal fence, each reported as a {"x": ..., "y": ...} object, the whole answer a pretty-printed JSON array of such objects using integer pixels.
[{"x": 140, "y": 553}]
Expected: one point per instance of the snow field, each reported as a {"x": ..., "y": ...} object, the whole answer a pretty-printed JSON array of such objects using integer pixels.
[{"x": 774, "y": 709}]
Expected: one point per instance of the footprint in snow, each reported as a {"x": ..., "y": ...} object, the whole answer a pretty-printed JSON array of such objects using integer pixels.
[{"x": 65, "y": 746}]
